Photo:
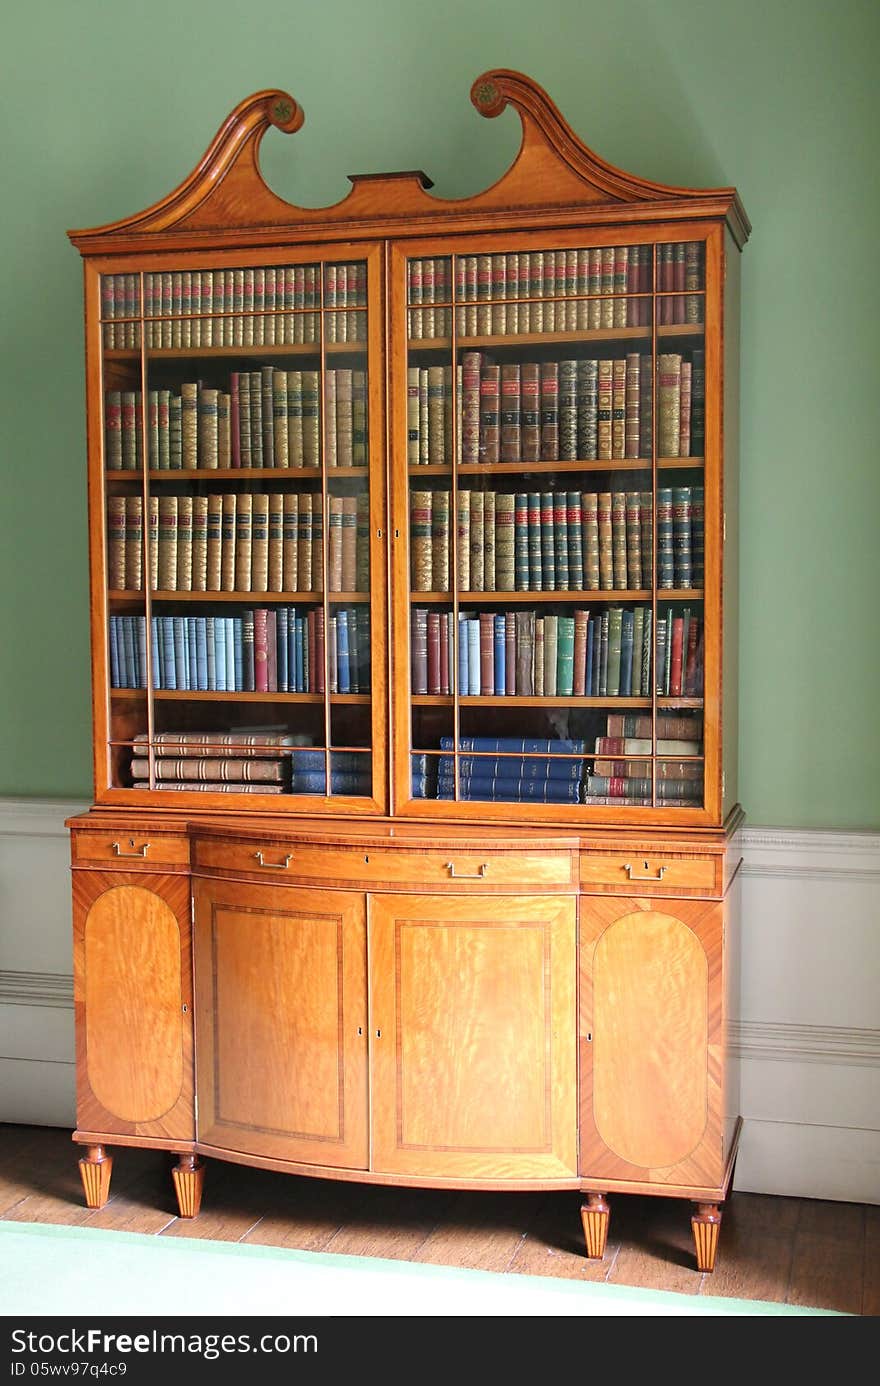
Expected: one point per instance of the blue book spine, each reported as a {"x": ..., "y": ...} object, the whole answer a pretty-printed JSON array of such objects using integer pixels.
[
  {"x": 343, "y": 667},
  {"x": 179, "y": 652},
  {"x": 517, "y": 745},
  {"x": 354, "y": 650},
  {"x": 626, "y": 654},
  {"x": 500, "y": 661},
  {"x": 363, "y": 619},
  {"x": 169, "y": 661},
  {"x": 211, "y": 654},
  {"x": 299, "y": 645},
  {"x": 463, "y": 673},
  {"x": 220, "y": 653},
  {"x": 201, "y": 654},
  {"x": 473, "y": 639},
  {"x": 192, "y": 647},
  {"x": 497, "y": 787},
  {"x": 155, "y": 661},
  {"x": 230, "y": 654},
  {"x": 282, "y": 637},
  {"x": 341, "y": 782},
  {"x": 238, "y": 652},
  {"x": 114, "y": 652}
]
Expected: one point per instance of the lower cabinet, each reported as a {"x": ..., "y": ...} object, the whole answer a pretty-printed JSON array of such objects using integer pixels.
[
  {"x": 281, "y": 1022},
  {"x": 472, "y": 1022},
  {"x": 658, "y": 1105},
  {"x": 133, "y": 1004},
  {"x": 450, "y": 1020}
]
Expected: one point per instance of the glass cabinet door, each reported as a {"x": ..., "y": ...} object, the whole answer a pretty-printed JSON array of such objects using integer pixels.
[
  {"x": 555, "y": 421},
  {"x": 239, "y": 498}
]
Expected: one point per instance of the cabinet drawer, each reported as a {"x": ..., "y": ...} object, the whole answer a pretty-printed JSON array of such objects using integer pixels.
[
  {"x": 632, "y": 874},
  {"x": 132, "y": 851},
  {"x": 378, "y": 866}
]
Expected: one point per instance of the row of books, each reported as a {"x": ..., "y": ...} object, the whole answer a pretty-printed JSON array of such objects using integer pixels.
[
  {"x": 261, "y": 542},
  {"x": 545, "y": 770},
  {"x": 272, "y": 305},
  {"x": 267, "y": 418},
  {"x": 589, "y": 409},
  {"x": 539, "y": 654},
  {"x": 274, "y": 650},
  {"x": 606, "y": 287},
  {"x": 546, "y": 541},
  {"x": 180, "y": 763}
]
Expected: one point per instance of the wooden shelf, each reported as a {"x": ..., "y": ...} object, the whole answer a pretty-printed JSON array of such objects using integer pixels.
[
  {"x": 516, "y": 700},
  {"x": 247, "y": 598},
  {"x": 585, "y": 597},
  {"x": 516, "y": 339},
  {"x": 133, "y": 354},
  {"x": 239, "y": 473},
  {"x": 627, "y": 464}
]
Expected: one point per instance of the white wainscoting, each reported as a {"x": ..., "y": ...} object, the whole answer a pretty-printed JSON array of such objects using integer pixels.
[{"x": 808, "y": 1033}]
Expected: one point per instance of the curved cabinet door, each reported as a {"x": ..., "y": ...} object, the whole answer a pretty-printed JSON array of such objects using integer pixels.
[
  {"x": 282, "y": 1022},
  {"x": 472, "y": 1037},
  {"x": 133, "y": 1004},
  {"x": 652, "y": 1090}
]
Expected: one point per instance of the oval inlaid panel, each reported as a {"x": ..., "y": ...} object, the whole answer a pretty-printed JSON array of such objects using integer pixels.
[
  {"x": 134, "y": 1034},
  {"x": 650, "y": 1038}
]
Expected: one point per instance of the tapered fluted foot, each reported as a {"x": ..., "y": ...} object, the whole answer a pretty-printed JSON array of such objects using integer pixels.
[
  {"x": 595, "y": 1215},
  {"x": 189, "y": 1177},
  {"x": 706, "y": 1223},
  {"x": 95, "y": 1168}
]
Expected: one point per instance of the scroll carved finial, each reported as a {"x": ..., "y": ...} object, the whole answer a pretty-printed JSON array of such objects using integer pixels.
[
  {"x": 486, "y": 97},
  {"x": 284, "y": 112}
]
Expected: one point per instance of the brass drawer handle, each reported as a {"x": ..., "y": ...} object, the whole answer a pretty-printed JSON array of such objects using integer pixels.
[
  {"x": 661, "y": 872},
  {"x": 274, "y": 865},
  {"x": 467, "y": 876},
  {"x": 141, "y": 852}
]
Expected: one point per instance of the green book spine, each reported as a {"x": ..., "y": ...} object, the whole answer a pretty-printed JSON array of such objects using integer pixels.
[
  {"x": 565, "y": 656},
  {"x": 615, "y": 629},
  {"x": 521, "y": 541}
]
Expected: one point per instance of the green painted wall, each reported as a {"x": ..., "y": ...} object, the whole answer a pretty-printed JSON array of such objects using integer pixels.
[{"x": 106, "y": 106}]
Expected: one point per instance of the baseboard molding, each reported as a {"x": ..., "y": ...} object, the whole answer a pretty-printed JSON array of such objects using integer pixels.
[
  {"x": 836, "y": 1163},
  {"x": 806, "y": 1037}
]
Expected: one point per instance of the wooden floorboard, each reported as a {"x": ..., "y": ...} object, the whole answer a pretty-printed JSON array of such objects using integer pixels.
[{"x": 783, "y": 1250}]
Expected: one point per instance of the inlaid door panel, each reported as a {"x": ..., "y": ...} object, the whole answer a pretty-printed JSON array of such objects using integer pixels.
[
  {"x": 651, "y": 1041},
  {"x": 282, "y": 1022},
  {"x": 133, "y": 1004},
  {"x": 473, "y": 1058}
]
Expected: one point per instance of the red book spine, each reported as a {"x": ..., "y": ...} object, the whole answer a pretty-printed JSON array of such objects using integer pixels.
[
  {"x": 579, "y": 671},
  {"x": 490, "y": 401},
  {"x": 419, "y": 650},
  {"x": 444, "y": 653},
  {"x": 691, "y": 680},
  {"x": 261, "y": 651},
  {"x": 487, "y": 652},
  {"x": 550, "y": 411},
  {"x": 530, "y": 412},
  {"x": 510, "y": 650},
  {"x": 676, "y": 657},
  {"x": 433, "y": 652}
]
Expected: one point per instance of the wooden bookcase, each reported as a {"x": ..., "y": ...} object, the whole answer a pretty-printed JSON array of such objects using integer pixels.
[{"x": 413, "y": 569}]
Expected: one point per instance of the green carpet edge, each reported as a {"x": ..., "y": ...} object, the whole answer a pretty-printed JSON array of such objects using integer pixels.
[{"x": 289, "y": 1255}]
